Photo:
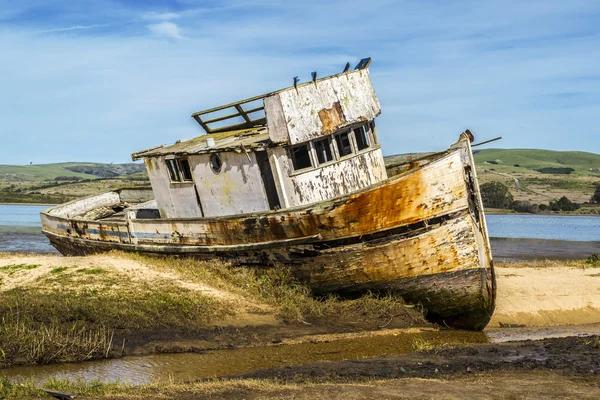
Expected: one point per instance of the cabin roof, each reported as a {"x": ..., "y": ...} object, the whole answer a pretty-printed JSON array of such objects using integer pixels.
[
  {"x": 246, "y": 113},
  {"x": 237, "y": 140}
]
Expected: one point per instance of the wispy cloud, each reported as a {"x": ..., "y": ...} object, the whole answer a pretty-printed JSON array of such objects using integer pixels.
[
  {"x": 508, "y": 69},
  {"x": 166, "y": 30},
  {"x": 160, "y": 16},
  {"x": 73, "y": 28}
]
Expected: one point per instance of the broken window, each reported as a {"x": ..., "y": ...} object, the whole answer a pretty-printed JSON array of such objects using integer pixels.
[
  {"x": 343, "y": 143},
  {"x": 301, "y": 157},
  {"x": 362, "y": 140},
  {"x": 179, "y": 170},
  {"x": 184, "y": 168},
  {"x": 323, "y": 149}
]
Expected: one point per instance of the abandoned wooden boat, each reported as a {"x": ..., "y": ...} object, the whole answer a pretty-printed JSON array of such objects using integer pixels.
[{"x": 297, "y": 178}]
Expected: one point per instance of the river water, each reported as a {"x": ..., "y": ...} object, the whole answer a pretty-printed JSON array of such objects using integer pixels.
[
  {"x": 20, "y": 229},
  {"x": 554, "y": 227},
  {"x": 514, "y": 237}
]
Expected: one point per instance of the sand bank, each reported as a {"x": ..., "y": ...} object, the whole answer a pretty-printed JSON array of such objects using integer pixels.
[{"x": 547, "y": 293}]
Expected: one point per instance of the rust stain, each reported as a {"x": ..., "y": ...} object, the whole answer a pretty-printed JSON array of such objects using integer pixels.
[
  {"x": 358, "y": 214},
  {"x": 332, "y": 118}
]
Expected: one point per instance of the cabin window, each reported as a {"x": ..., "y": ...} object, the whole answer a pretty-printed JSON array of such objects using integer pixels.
[
  {"x": 216, "y": 164},
  {"x": 173, "y": 170},
  {"x": 301, "y": 157},
  {"x": 179, "y": 170},
  {"x": 184, "y": 168},
  {"x": 343, "y": 143},
  {"x": 362, "y": 140},
  {"x": 323, "y": 149}
]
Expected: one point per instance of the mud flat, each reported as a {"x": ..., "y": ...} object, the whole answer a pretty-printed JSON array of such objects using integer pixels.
[
  {"x": 510, "y": 250},
  {"x": 279, "y": 343}
]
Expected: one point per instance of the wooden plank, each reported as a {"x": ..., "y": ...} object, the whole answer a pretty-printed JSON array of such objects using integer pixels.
[{"x": 242, "y": 112}]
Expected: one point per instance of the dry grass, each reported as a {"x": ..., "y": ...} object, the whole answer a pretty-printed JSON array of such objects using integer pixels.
[
  {"x": 167, "y": 390},
  {"x": 71, "y": 313},
  {"x": 60, "y": 313},
  {"x": 277, "y": 288}
]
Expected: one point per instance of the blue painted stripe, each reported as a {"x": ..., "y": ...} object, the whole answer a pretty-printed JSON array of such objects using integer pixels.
[
  {"x": 151, "y": 235},
  {"x": 93, "y": 231}
]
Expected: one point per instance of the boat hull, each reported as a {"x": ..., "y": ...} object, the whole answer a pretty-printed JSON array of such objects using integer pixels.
[{"x": 420, "y": 235}]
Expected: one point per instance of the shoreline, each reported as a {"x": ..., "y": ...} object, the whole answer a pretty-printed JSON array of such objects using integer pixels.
[
  {"x": 553, "y": 214},
  {"x": 29, "y": 204}
]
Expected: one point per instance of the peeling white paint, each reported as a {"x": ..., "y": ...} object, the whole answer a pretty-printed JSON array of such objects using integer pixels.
[
  {"x": 293, "y": 116},
  {"x": 336, "y": 179}
]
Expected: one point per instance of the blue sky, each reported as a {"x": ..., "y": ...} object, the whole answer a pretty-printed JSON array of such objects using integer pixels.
[{"x": 98, "y": 80}]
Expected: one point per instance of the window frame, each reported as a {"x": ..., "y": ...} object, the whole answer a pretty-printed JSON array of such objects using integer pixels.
[
  {"x": 368, "y": 128},
  {"x": 176, "y": 168},
  {"x": 365, "y": 134},
  {"x": 293, "y": 159},
  {"x": 182, "y": 170},
  {"x": 328, "y": 142},
  {"x": 352, "y": 149},
  {"x": 213, "y": 160}
]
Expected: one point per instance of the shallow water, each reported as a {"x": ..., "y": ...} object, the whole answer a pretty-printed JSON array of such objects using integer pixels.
[
  {"x": 139, "y": 370},
  {"x": 18, "y": 215},
  {"x": 20, "y": 229}
]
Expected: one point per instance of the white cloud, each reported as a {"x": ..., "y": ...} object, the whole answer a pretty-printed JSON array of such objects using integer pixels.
[
  {"x": 157, "y": 16},
  {"x": 167, "y": 30},
  {"x": 73, "y": 28},
  {"x": 436, "y": 71}
]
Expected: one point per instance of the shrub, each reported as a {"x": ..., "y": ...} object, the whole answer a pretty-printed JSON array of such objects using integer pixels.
[
  {"x": 594, "y": 258},
  {"x": 555, "y": 170},
  {"x": 496, "y": 195},
  {"x": 596, "y": 196},
  {"x": 525, "y": 206},
  {"x": 563, "y": 204}
]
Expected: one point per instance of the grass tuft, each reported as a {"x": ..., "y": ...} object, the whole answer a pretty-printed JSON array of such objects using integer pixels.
[
  {"x": 594, "y": 259},
  {"x": 420, "y": 344},
  {"x": 92, "y": 271},
  {"x": 276, "y": 287}
]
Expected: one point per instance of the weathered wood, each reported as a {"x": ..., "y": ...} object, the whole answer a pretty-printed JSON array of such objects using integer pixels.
[
  {"x": 436, "y": 189},
  {"x": 420, "y": 234}
]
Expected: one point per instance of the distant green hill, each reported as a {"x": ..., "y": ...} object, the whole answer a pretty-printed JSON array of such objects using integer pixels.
[
  {"x": 538, "y": 161},
  {"x": 66, "y": 171}
]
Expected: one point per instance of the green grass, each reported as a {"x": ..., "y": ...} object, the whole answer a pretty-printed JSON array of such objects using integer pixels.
[
  {"x": 531, "y": 159},
  {"x": 33, "y": 198},
  {"x": 92, "y": 271},
  {"x": 421, "y": 344},
  {"x": 48, "y": 172},
  {"x": 17, "y": 267},
  {"x": 58, "y": 270}
]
